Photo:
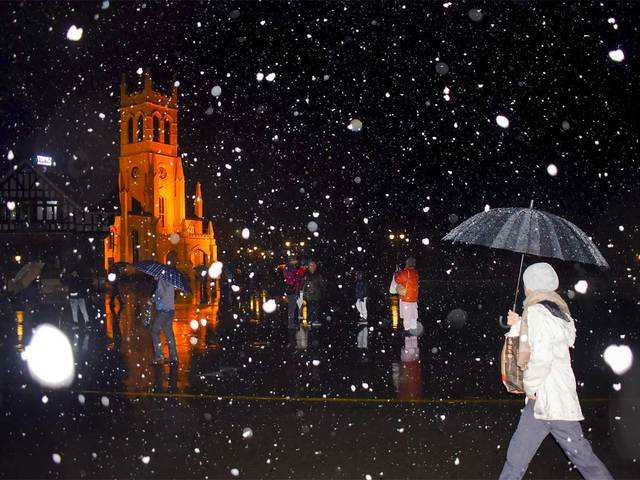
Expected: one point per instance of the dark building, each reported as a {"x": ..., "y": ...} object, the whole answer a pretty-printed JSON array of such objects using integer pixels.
[{"x": 42, "y": 217}]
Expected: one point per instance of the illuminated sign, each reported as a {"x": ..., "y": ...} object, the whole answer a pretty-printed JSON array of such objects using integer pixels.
[{"x": 43, "y": 160}]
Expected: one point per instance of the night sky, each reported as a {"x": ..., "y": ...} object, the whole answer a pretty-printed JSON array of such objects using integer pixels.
[{"x": 426, "y": 79}]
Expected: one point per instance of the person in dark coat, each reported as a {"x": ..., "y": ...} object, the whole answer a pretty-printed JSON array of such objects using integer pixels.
[
  {"x": 78, "y": 291},
  {"x": 313, "y": 292},
  {"x": 361, "y": 295}
]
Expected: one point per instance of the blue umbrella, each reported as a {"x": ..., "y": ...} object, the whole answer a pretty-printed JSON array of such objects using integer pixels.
[{"x": 170, "y": 274}]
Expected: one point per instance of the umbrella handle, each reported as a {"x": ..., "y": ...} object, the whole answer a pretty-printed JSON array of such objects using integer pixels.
[{"x": 515, "y": 298}]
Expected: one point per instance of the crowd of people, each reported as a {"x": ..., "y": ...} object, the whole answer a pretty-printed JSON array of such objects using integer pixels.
[
  {"x": 305, "y": 285},
  {"x": 546, "y": 332}
]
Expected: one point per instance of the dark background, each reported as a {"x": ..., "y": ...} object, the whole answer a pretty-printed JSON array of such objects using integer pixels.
[{"x": 539, "y": 64}]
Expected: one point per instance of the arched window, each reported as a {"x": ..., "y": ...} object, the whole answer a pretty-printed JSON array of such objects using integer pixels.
[
  {"x": 167, "y": 132},
  {"x": 130, "y": 130},
  {"x": 198, "y": 257},
  {"x": 156, "y": 129},
  {"x": 161, "y": 210},
  {"x": 140, "y": 128},
  {"x": 135, "y": 246}
]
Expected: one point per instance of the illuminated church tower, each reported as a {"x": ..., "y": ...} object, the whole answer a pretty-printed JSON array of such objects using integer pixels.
[{"x": 153, "y": 223}]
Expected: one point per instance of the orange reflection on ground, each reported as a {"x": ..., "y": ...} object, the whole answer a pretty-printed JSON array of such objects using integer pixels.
[
  {"x": 20, "y": 329},
  {"x": 395, "y": 311},
  {"x": 410, "y": 381},
  {"x": 133, "y": 339}
]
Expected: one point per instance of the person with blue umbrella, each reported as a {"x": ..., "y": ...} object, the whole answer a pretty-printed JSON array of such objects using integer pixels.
[
  {"x": 164, "y": 298},
  {"x": 168, "y": 279}
]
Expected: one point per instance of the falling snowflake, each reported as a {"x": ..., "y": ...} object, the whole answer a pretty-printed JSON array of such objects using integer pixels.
[
  {"x": 616, "y": 55},
  {"x": 619, "y": 358},
  {"x": 74, "y": 33},
  {"x": 502, "y": 121},
  {"x": 269, "y": 306},
  {"x": 355, "y": 125},
  {"x": 581, "y": 286}
]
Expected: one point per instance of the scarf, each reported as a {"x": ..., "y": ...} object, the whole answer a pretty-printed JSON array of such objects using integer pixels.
[{"x": 524, "y": 350}]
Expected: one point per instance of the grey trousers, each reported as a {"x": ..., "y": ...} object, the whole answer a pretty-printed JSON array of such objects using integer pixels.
[
  {"x": 292, "y": 298},
  {"x": 164, "y": 322},
  {"x": 79, "y": 303},
  {"x": 530, "y": 434}
]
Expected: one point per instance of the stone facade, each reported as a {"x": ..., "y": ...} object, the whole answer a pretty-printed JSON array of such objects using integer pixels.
[{"x": 153, "y": 223}]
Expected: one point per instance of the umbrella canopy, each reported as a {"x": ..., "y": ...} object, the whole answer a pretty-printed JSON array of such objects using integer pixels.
[
  {"x": 170, "y": 274},
  {"x": 528, "y": 231},
  {"x": 25, "y": 276}
]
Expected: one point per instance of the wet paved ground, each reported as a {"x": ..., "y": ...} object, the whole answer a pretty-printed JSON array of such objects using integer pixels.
[{"x": 316, "y": 404}]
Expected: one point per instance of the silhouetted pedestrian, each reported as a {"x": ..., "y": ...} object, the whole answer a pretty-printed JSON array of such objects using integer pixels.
[
  {"x": 361, "y": 295},
  {"x": 164, "y": 298},
  {"x": 79, "y": 289},
  {"x": 313, "y": 292},
  {"x": 293, "y": 278}
]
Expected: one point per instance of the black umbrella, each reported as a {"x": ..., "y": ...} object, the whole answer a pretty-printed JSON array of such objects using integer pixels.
[{"x": 528, "y": 231}]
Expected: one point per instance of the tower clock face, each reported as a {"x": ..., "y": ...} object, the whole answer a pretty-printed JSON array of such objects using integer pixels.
[
  {"x": 163, "y": 173},
  {"x": 135, "y": 172}
]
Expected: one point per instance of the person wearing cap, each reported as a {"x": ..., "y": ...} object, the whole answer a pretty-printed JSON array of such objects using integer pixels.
[
  {"x": 407, "y": 287},
  {"x": 547, "y": 331}
]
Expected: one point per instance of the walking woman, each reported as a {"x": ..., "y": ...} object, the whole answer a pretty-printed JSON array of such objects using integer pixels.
[{"x": 546, "y": 332}]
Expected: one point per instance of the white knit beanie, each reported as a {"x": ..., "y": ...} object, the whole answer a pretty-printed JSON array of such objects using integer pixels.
[{"x": 541, "y": 277}]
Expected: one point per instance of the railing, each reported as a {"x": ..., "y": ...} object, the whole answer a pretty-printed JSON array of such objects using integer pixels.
[{"x": 86, "y": 223}]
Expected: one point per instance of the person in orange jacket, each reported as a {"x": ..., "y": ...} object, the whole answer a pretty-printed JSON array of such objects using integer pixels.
[{"x": 407, "y": 287}]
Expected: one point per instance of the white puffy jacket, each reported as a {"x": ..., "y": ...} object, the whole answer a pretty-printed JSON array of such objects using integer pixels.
[{"x": 549, "y": 375}]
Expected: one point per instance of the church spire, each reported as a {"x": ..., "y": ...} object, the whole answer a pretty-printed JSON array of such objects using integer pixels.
[{"x": 198, "y": 206}]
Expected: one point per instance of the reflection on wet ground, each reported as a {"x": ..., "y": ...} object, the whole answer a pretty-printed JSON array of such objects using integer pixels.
[
  {"x": 234, "y": 347},
  {"x": 345, "y": 399}
]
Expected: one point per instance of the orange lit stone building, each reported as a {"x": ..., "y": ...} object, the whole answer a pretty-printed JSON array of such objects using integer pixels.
[{"x": 153, "y": 223}]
